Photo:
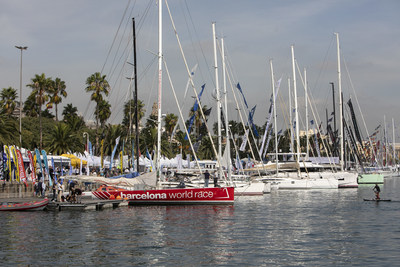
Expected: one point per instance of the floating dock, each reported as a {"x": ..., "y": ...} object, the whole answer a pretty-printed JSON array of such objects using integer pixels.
[{"x": 87, "y": 205}]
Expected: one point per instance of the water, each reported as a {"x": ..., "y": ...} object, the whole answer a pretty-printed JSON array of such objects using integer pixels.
[{"x": 284, "y": 228}]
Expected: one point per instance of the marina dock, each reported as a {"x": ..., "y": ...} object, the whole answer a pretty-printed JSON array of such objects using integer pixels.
[{"x": 87, "y": 205}]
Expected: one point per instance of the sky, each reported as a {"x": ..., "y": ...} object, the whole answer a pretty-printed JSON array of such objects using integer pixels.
[{"x": 73, "y": 39}]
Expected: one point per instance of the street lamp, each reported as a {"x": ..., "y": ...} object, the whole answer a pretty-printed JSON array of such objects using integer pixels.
[
  {"x": 87, "y": 140},
  {"x": 20, "y": 95}
]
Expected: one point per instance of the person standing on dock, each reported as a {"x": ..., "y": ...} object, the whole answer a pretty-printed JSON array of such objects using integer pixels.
[
  {"x": 206, "y": 178},
  {"x": 59, "y": 191},
  {"x": 377, "y": 191}
]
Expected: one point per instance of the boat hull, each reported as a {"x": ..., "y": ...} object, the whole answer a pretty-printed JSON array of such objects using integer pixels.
[
  {"x": 173, "y": 196},
  {"x": 28, "y": 206}
]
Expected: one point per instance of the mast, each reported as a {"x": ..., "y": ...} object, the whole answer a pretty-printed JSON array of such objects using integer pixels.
[
  {"x": 158, "y": 172},
  {"x": 136, "y": 100},
  {"x": 228, "y": 145},
  {"x": 219, "y": 106},
  {"x": 340, "y": 102},
  {"x": 306, "y": 96},
  {"x": 297, "y": 125},
  {"x": 290, "y": 118},
  {"x": 275, "y": 126},
  {"x": 394, "y": 147},
  {"x": 385, "y": 136}
]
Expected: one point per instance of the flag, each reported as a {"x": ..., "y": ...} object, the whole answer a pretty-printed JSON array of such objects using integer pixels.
[
  {"x": 39, "y": 160},
  {"x": 54, "y": 170},
  {"x": 114, "y": 150},
  {"x": 46, "y": 165},
  {"x": 21, "y": 168},
  {"x": 8, "y": 161},
  {"x": 207, "y": 112},
  {"x": 243, "y": 145},
  {"x": 15, "y": 160},
  {"x": 244, "y": 99},
  {"x": 102, "y": 154},
  {"x": 2, "y": 163},
  {"x": 330, "y": 119},
  {"x": 195, "y": 107},
  {"x": 121, "y": 163},
  {"x": 251, "y": 115},
  {"x": 32, "y": 166},
  {"x": 149, "y": 157}
]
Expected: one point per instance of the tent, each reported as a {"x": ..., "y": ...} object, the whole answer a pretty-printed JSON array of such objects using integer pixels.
[{"x": 75, "y": 161}]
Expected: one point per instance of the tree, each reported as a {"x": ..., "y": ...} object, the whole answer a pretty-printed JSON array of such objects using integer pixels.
[
  {"x": 170, "y": 121},
  {"x": 57, "y": 93},
  {"x": 130, "y": 108},
  {"x": 7, "y": 102},
  {"x": 31, "y": 108},
  {"x": 97, "y": 85},
  {"x": 8, "y": 130},
  {"x": 40, "y": 87},
  {"x": 63, "y": 140},
  {"x": 69, "y": 111},
  {"x": 111, "y": 133},
  {"x": 103, "y": 112}
]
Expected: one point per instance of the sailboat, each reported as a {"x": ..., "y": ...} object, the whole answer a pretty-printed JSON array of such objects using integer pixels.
[{"x": 169, "y": 196}]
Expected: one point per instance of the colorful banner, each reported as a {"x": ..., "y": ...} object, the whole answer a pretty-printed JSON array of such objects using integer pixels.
[
  {"x": 15, "y": 160},
  {"x": 38, "y": 158},
  {"x": 195, "y": 107},
  {"x": 8, "y": 162},
  {"x": 2, "y": 163},
  {"x": 32, "y": 167},
  {"x": 21, "y": 168},
  {"x": 121, "y": 162},
  {"x": 102, "y": 154},
  {"x": 114, "y": 150},
  {"x": 46, "y": 165},
  {"x": 54, "y": 170}
]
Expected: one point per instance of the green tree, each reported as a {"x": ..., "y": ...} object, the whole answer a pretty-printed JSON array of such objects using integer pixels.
[
  {"x": 63, "y": 140},
  {"x": 170, "y": 121},
  {"x": 8, "y": 100},
  {"x": 69, "y": 111},
  {"x": 8, "y": 130},
  {"x": 57, "y": 93},
  {"x": 103, "y": 112},
  {"x": 97, "y": 85},
  {"x": 40, "y": 87},
  {"x": 130, "y": 108}
]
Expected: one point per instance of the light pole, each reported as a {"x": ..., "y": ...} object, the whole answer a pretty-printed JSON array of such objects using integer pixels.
[
  {"x": 87, "y": 140},
  {"x": 20, "y": 95}
]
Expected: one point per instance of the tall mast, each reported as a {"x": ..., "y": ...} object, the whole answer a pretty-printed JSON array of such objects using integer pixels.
[
  {"x": 290, "y": 118},
  {"x": 306, "y": 96},
  {"x": 394, "y": 147},
  {"x": 385, "y": 143},
  {"x": 297, "y": 125},
  {"x": 228, "y": 145},
  {"x": 340, "y": 103},
  {"x": 136, "y": 99},
  {"x": 159, "y": 88},
  {"x": 275, "y": 126},
  {"x": 219, "y": 106}
]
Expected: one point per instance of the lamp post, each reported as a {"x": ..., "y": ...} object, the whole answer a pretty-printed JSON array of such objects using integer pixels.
[
  {"x": 21, "y": 48},
  {"x": 87, "y": 140}
]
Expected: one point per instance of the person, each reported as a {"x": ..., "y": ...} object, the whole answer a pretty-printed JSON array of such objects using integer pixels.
[
  {"x": 43, "y": 189},
  {"x": 78, "y": 194},
  {"x": 54, "y": 188},
  {"x": 206, "y": 178},
  {"x": 377, "y": 190},
  {"x": 59, "y": 191},
  {"x": 215, "y": 179}
]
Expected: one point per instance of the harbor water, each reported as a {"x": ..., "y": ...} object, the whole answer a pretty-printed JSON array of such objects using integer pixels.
[{"x": 284, "y": 228}]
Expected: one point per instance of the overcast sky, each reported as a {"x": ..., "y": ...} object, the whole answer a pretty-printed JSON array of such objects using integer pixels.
[{"x": 73, "y": 39}]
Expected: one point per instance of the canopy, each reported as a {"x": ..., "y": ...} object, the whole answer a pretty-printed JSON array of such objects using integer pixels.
[{"x": 75, "y": 161}]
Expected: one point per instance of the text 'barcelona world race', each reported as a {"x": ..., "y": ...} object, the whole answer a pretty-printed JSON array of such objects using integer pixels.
[{"x": 169, "y": 195}]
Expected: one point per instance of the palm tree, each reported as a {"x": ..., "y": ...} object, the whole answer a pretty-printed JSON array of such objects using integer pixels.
[
  {"x": 103, "y": 112},
  {"x": 69, "y": 111},
  {"x": 63, "y": 140},
  {"x": 8, "y": 130},
  {"x": 7, "y": 102},
  {"x": 97, "y": 85},
  {"x": 31, "y": 108},
  {"x": 170, "y": 121},
  {"x": 57, "y": 93},
  {"x": 130, "y": 108},
  {"x": 40, "y": 86}
]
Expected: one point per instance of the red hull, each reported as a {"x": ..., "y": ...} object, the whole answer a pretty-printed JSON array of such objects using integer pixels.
[
  {"x": 28, "y": 206},
  {"x": 173, "y": 196}
]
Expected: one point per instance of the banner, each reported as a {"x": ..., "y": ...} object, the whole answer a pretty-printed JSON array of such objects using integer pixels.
[
  {"x": 21, "y": 168},
  {"x": 355, "y": 125},
  {"x": 195, "y": 107},
  {"x": 251, "y": 116},
  {"x": 46, "y": 165},
  {"x": 32, "y": 167},
  {"x": 121, "y": 162},
  {"x": 243, "y": 145},
  {"x": 8, "y": 161},
  {"x": 15, "y": 160},
  {"x": 54, "y": 170},
  {"x": 114, "y": 150},
  {"x": 2, "y": 162},
  {"x": 39, "y": 160},
  {"x": 102, "y": 154}
]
